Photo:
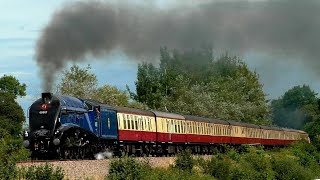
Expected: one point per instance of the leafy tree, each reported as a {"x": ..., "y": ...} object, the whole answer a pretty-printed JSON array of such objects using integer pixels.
[
  {"x": 193, "y": 82},
  {"x": 295, "y": 108},
  {"x": 11, "y": 85},
  {"x": 11, "y": 113},
  {"x": 147, "y": 85},
  {"x": 78, "y": 82},
  {"x": 111, "y": 95}
]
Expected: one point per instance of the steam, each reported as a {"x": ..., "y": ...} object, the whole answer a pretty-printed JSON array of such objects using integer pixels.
[
  {"x": 103, "y": 155},
  {"x": 276, "y": 27}
]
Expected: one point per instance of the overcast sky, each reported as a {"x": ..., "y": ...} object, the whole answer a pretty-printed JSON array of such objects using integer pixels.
[{"x": 21, "y": 25}]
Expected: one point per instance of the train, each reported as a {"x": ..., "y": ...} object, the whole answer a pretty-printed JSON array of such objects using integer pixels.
[{"x": 67, "y": 127}]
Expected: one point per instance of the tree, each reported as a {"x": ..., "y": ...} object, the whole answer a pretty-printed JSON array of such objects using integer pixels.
[
  {"x": 193, "y": 82},
  {"x": 81, "y": 83},
  {"x": 78, "y": 82},
  {"x": 11, "y": 113},
  {"x": 295, "y": 108},
  {"x": 11, "y": 85},
  {"x": 111, "y": 95},
  {"x": 148, "y": 86}
]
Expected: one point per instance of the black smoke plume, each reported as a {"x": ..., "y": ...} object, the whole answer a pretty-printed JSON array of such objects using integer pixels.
[{"x": 285, "y": 27}]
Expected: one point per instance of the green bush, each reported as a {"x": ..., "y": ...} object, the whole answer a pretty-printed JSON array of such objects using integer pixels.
[
  {"x": 8, "y": 170},
  {"x": 254, "y": 165},
  {"x": 184, "y": 161},
  {"x": 11, "y": 150},
  {"x": 219, "y": 167},
  {"x": 175, "y": 174},
  {"x": 128, "y": 168},
  {"x": 288, "y": 168},
  {"x": 47, "y": 172}
]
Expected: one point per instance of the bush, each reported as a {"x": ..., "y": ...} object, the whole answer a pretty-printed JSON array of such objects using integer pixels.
[
  {"x": 184, "y": 161},
  {"x": 254, "y": 165},
  {"x": 8, "y": 170},
  {"x": 46, "y": 171},
  {"x": 128, "y": 168},
  {"x": 288, "y": 168},
  {"x": 175, "y": 174},
  {"x": 219, "y": 167},
  {"x": 11, "y": 150}
]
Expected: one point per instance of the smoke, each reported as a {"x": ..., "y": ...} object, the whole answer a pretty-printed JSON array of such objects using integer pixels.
[
  {"x": 278, "y": 27},
  {"x": 106, "y": 154}
]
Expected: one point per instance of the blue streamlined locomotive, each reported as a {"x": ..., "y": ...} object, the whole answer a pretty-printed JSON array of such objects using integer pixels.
[{"x": 69, "y": 127}]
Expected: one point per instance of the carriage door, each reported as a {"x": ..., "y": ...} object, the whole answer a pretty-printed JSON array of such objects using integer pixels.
[{"x": 108, "y": 124}]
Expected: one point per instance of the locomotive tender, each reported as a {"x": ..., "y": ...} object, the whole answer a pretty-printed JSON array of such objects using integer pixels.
[{"x": 73, "y": 128}]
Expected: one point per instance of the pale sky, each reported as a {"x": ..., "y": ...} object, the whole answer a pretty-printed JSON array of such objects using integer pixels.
[{"x": 22, "y": 22}]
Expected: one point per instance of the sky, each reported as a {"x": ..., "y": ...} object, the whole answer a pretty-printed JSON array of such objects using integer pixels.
[{"x": 22, "y": 23}]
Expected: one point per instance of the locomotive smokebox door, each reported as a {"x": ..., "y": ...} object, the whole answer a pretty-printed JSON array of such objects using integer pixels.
[{"x": 46, "y": 98}]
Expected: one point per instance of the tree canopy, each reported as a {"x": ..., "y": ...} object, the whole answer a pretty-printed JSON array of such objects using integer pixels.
[
  {"x": 78, "y": 82},
  {"x": 11, "y": 113},
  {"x": 82, "y": 83},
  {"x": 194, "y": 82},
  {"x": 295, "y": 108},
  {"x": 9, "y": 84}
]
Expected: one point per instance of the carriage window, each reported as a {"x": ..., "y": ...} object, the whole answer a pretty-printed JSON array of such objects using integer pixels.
[
  {"x": 193, "y": 127},
  {"x": 150, "y": 125},
  {"x": 172, "y": 126},
  {"x": 136, "y": 122},
  {"x": 188, "y": 127},
  {"x": 124, "y": 121},
  {"x": 183, "y": 127},
  {"x": 162, "y": 124},
  {"x": 142, "y": 123}
]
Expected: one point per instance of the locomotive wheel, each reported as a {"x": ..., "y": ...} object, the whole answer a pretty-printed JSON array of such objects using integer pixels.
[
  {"x": 82, "y": 153},
  {"x": 76, "y": 153},
  {"x": 67, "y": 154}
]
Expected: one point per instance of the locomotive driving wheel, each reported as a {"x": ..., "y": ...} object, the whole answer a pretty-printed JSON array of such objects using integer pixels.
[{"x": 82, "y": 153}]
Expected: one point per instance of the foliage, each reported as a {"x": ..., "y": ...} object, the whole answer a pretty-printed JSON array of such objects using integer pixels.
[
  {"x": 128, "y": 168},
  {"x": 46, "y": 171},
  {"x": 9, "y": 84},
  {"x": 8, "y": 170},
  {"x": 288, "y": 168},
  {"x": 298, "y": 161},
  {"x": 295, "y": 108},
  {"x": 111, "y": 95},
  {"x": 219, "y": 167},
  {"x": 175, "y": 174},
  {"x": 78, "y": 82},
  {"x": 313, "y": 129},
  {"x": 11, "y": 120},
  {"x": 11, "y": 115},
  {"x": 184, "y": 161},
  {"x": 193, "y": 82},
  {"x": 11, "y": 151}
]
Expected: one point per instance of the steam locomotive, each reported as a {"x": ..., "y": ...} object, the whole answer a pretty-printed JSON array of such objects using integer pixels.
[{"x": 67, "y": 127}]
